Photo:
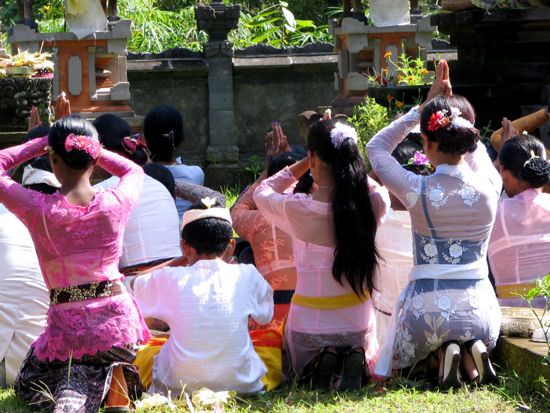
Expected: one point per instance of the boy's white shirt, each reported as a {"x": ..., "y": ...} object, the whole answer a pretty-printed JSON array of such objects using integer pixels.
[{"x": 207, "y": 306}]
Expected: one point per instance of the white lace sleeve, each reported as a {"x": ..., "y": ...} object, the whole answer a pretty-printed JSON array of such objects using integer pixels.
[
  {"x": 404, "y": 184},
  {"x": 481, "y": 163}
]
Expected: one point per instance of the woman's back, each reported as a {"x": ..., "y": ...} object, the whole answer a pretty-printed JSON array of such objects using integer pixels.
[
  {"x": 520, "y": 242},
  {"x": 76, "y": 244},
  {"x": 452, "y": 216},
  {"x": 152, "y": 232}
]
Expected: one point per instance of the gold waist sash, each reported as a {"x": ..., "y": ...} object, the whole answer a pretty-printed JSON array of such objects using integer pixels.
[{"x": 330, "y": 303}]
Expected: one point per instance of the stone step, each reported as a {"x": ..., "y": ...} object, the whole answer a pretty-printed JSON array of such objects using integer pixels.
[{"x": 524, "y": 357}]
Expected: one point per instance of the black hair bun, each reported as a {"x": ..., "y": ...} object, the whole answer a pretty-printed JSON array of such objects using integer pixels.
[{"x": 536, "y": 171}]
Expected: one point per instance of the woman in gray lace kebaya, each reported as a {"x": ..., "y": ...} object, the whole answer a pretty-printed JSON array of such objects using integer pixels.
[{"x": 449, "y": 297}]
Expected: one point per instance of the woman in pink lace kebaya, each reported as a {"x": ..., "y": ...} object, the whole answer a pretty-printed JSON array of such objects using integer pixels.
[
  {"x": 520, "y": 242},
  {"x": 331, "y": 320},
  {"x": 84, "y": 356},
  {"x": 272, "y": 247}
]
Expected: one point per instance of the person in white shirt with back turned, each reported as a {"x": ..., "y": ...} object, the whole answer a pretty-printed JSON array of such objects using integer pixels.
[
  {"x": 152, "y": 235},
  {"x": 207, "y": 306}
]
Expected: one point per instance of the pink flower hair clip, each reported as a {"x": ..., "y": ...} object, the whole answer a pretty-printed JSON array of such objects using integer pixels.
[
  {"x": 83, "y": 143},
  {"x": 420, "y": 160},
  {"x": 442, "y": 120}
]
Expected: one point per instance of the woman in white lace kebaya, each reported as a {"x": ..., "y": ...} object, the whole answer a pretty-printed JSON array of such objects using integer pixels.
[{"x": 449, "y": 301}]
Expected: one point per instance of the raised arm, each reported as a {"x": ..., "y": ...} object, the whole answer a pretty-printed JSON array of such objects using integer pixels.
[
  {"x": 244, "y": 212},
  {"x": 194, "y": 193},
  {"x": 130, "y": 174},
  {"x": 404, "y": 184},
  {"x": 16, "y": 198},
  {"x": 481, "y": 163},
  {"x": 270, "y": 200},
  {"x": 379, "y": 198}
]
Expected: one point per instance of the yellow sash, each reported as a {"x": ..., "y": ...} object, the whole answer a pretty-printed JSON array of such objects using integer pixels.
[
  {"x": 513, "y": 290},
  {"x": 330, "y": 303}
]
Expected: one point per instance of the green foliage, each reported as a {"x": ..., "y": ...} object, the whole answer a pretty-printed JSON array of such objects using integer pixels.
[
  {"x": 158, "y": 25},
  {"x": 541, "y": 289},
  {"x": 231, "y": 193},
  {"x": 155, "y": 30},
  {"x": 369, "y": 118},
  {"x": 276, "y": 26},
  {"x": 255, "y": 168}
]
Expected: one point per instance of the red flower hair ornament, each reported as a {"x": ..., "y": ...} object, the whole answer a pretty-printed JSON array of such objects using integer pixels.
[
  {"x": 442, "y": 120},
  {"x": 83, "y": 143}
]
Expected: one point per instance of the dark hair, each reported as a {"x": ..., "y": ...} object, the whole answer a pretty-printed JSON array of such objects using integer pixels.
[
  {"x": 304, "y": 184},
  {"x": 163, "y": 131},
  {"x": 37, "y": 132},
  {"x": 42, "y": 162},
  {"x": 452, "y": 140},
  {"x": 75, "y": 159},
  {"x": 355, "y": 255},
  {"x": 515, "y": 156},
  {"x": 207, "y": 235},
  {"x": 406, "y": 150},
  {"x": 111, "y": 130},
  {"x": 163, "y": 175},
  {"x": 281, "y": 161}
]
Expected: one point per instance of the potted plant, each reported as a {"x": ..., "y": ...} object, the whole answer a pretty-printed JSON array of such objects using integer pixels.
[{"x": 406, "y": 80}]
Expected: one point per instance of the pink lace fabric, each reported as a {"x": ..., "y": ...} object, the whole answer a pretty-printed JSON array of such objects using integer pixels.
[
  {"x": 273, "y": 252},
  {"x": 309, "y": 223},
  {"x": 520, "y": 242},
  {"x": 78, "y": 245}
]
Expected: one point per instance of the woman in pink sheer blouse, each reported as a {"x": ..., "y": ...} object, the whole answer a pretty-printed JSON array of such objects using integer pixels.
[
  {"x": 448, "y": 314},
  {"x": 520, "y": 242},
  {"x": 84, "y": 356},
  {"x": 331, "y": 319},
  {"x": 272, "y": 247}
]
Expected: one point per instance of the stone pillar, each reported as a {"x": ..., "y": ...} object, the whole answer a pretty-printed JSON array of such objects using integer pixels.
[{"x": 217, "y": 20}]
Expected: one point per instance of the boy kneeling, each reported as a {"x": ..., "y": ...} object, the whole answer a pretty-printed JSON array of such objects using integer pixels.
[{"x": 207, "y": 306}]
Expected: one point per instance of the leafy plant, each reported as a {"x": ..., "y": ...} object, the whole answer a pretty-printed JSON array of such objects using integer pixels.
[
  {"x": 369, "y": 118},
  {"x": 231, "y": 194},
  {"x": 255, "y": 168},
  {"x": 276, "y": 25},
  {"x": 541, "y": 289},
  {"x": 407, "y": 71}
]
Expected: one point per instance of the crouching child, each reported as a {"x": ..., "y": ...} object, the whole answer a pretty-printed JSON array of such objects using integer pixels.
[{"x": 207, "y": 306}]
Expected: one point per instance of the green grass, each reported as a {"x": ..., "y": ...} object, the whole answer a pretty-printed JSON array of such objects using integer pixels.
[{"x": 513, "y": 394}]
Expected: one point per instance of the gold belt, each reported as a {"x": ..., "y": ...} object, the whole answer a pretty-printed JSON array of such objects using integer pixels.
[{"x": 330, "y": 303}]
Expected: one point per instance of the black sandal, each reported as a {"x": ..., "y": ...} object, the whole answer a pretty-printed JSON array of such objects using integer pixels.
[
  {"x": 353, "y": 369},
  {"x": 325, "y": 368}
]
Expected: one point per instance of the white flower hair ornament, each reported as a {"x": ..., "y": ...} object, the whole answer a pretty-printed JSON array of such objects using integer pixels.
[
  {"x": 208, "y": 202},
  {"x": 341, "y": 132}
]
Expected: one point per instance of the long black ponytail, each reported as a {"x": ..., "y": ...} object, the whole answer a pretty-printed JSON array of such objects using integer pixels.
[{"x": 355, "y": 255}]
